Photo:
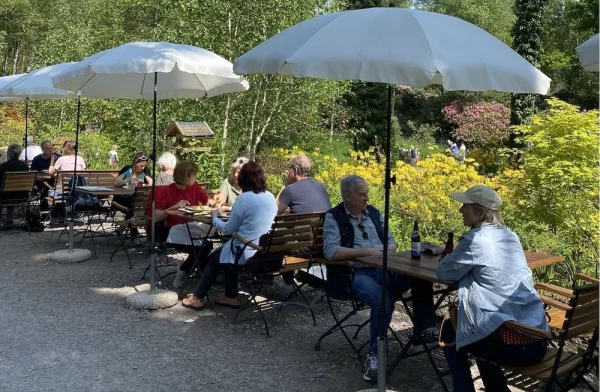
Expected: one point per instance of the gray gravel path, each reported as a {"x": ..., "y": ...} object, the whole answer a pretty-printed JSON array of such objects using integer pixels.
[{"x": 66, "y": 328}]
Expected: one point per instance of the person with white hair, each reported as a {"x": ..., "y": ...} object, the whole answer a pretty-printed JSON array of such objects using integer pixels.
[
  {"x": 31, "y": 151},
  {"x": 230, "y": 189},
  {"x": 166, "y": 163}
]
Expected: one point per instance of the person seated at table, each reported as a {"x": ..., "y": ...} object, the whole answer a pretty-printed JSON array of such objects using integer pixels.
[
  {"x": 13, "y": 164},
  {"x": 230, "y": 189},
  {"x": 302, "y": 193},
  {"x": 251, "y": 216},
  {"x": 46, "y": 158},
  {"x": 31, "y": 150},
  {"x": 67, "y": 161},
  {"x": 166, "y": 163},
  {"x": 354, "y": 229},
  {"x": 495, "y": 286},
  {"x": 184, "y": 191},
  {"x": 136, "y": 174}
]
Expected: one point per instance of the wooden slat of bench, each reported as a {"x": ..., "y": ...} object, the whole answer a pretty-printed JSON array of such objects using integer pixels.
[
  {"x": 555, "y": 289},
  {"x": 290, "y": 247},
  {"x": 295, "y": 217},
  {"x": 554, "y": 303},
  {"x": 543, "y": 369},
  {"x": 293, "y": 267},
  {"x": 581, "y": 329},
  {"x": 293, "y": 223},
  {"x": 291, "y": 238}
]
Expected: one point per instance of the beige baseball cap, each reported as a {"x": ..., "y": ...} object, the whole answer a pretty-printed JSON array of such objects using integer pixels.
[{"x": 479, "y": 194}]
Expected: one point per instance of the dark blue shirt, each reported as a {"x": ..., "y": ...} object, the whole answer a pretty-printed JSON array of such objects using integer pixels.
[{"x": 40, "y": 163}]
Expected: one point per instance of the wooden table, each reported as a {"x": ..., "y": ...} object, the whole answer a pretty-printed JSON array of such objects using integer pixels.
[
  {"x": 106, "y": 191},
  {"x": 200, "y": 218},
  {"x": 426, "y": 267}
]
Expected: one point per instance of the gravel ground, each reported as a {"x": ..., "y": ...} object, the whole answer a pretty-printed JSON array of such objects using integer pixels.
[{"x": 66, "y": 328}]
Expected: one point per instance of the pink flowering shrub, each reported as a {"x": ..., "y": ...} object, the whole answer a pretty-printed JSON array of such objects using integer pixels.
[{"x": 478, "y": 123}]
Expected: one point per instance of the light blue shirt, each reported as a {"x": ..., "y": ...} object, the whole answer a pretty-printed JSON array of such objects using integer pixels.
[
  {"x": 252, "y": 215},
  {"x": 332, "y": 238},
  {"x": 495, "y": 284}
]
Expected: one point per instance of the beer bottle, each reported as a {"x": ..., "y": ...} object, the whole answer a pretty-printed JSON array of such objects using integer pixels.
[
  {"x": 449, "y": 245},
  {"x": 415, "y": 242}
]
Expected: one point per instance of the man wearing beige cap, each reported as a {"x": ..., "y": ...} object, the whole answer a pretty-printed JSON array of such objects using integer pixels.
[{"x": 495, "y": 286}]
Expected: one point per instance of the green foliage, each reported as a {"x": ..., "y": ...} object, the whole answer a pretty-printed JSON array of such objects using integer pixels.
[
  {"x": 527, "y": 32},
  {"x": 209, "y": 169},
  {"x": 554, "y": 196}
]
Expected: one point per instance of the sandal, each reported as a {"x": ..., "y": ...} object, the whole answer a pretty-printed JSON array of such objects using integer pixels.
[
  {"x": 221, "y": 302},
  {"x": 186, "y": 303}
]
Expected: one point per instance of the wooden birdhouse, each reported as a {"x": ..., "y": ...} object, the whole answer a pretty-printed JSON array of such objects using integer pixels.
[{"x": 186, "y": 137}]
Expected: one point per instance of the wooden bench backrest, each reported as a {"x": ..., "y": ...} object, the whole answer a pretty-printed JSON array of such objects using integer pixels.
[
  {"x": 104, "y": 178},
  {"x": 317, "y": 228},
  {"x": 141, "y": 199},
  {"x": 292, "y": 232},
  {"x": 18, "y": 182},
  {"x": 582, "y": 317}
]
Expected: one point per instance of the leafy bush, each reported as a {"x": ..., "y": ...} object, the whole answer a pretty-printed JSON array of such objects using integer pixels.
[
  {"x": 553, "y": 197},
  {"x": 478, "y": 123},
  {"x": 12, "y": 127}
]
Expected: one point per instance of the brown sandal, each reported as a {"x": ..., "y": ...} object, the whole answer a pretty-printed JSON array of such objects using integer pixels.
[
  {"x": 187, "y": 303},
  {"x": 226, "y": 304}
]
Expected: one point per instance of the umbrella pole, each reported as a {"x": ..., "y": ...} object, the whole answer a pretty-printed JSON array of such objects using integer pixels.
[
  {"x": 152, "y": 250},
  {"x": 381, "y": 349},
  {"x": 26, "y": 125},
  {"x": 73, "y": 190}
]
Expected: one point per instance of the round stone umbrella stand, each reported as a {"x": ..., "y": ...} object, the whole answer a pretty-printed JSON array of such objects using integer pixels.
[
  {"x": 147, "y": 300},
  {"x": 71, "y": 256}
]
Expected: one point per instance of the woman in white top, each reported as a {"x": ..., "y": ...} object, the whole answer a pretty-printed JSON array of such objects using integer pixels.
[
  {"x": 67, "y": 161},
  {"x": 252, "y": 215}
]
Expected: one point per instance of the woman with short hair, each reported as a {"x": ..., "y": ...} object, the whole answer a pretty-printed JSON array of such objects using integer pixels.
[
  {"x": 230, "y": 188},
  {"x": 166, "y": 163},
  {"x": 495, "y": 288},
  {"x": 252, "y": 215},
  {"x": 183, "y": 191},
  {"x": 67, "y": 161}
]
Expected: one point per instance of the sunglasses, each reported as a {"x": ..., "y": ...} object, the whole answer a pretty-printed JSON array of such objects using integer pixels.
[
  {"x": 143, "y": 158},
  {"x": 363, "y": 230}
]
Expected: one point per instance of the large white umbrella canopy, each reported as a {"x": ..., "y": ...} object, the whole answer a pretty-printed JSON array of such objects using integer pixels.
[
  {"x": 128, "y": 71},
  {"x": 5, "y": 81},
  {"x": 152, "y": 71},
  {"x": 397, "y": 46},
  {"x": 588, "y": 54},
  {"x": 38, "y": 84}
]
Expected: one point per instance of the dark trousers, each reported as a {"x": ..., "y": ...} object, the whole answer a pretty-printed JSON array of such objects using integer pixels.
[
  {"x": 491, "y": 348},
  {"x": 366, "y": 287},
  {"x": 211, "y": 272}
]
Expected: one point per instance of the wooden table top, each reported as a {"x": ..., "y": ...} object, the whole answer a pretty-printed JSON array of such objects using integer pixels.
[
  {"x": 426, "y": 267},
  {"x": 201, "y": 218},
  {"x": 115, "y": 191}
]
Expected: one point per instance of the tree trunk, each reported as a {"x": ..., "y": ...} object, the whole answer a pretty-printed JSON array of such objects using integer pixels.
[
  {"x": 331, "y": 124},
  {"x": 16, "y": 58},
  {"x": 253, "y": 120},
  {"x": 5, "y": 61},
  {"x": 266, "y": 125},
  {"x": 224, "y": 138}
]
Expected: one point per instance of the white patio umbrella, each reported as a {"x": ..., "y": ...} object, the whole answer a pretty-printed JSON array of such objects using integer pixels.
[
  {"x": 36, "y": 85},
  {"x": 5, "y": 81},
  {"x": 588, "y": 54},
  {"x": 152, "y": 71},
  {"x": 396, "y": 46}
]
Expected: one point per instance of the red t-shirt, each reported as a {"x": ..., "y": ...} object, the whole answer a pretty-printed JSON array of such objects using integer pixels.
[{"x": 169, "y": 195}]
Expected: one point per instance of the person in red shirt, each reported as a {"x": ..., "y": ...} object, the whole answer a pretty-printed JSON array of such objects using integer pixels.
[{"x": 184, "y": 191}]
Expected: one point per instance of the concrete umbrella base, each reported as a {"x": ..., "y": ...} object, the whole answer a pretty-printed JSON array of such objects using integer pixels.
[
  {"x": 143, "y": 300},
  {"x": 75, "y": 256}
]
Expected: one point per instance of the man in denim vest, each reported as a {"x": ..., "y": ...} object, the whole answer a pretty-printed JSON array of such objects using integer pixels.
[{"x": 354, "y": 229}]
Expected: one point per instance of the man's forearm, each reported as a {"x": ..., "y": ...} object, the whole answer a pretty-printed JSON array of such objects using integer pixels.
[{"x": 351, "y": 253}]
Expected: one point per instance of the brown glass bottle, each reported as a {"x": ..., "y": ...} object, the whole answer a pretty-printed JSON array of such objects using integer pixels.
[
  {"x": 415, "y": 242},
  {"x": 449, "y": 245}
]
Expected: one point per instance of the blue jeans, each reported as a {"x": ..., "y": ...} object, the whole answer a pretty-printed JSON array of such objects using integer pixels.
[
  {"x": 366, "y": 287},
  {"x": 492, "y": 349}
]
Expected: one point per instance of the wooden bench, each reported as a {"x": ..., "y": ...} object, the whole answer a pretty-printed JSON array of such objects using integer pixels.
[
  {"x": 16, "y": 191},
  {"x": 576, "y": 317},
  {"x": 287, "y": 247}
]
